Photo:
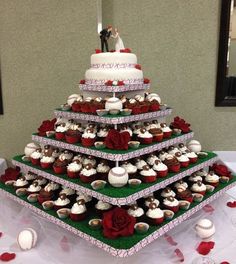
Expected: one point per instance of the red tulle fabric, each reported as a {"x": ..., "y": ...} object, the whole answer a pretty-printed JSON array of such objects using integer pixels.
[
  {"x": 11, "y": 174},
  {"x": 117, "y": 140},
  {"x": 180, "y": 123}
]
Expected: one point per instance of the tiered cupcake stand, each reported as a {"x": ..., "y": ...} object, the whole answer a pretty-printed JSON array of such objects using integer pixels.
[{"x": 110, "y": 194}]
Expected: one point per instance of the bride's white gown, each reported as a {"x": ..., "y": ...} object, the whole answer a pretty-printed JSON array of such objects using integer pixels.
[{"x": 119, "y": 43}]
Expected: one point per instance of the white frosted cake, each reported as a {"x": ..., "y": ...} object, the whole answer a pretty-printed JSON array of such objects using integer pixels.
[{"x": 113, "y": 66}]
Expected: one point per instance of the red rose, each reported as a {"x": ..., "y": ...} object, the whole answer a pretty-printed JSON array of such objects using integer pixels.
[
  {"x": 126, "y": 50},
  {"x": 46, "y": 126},
  {"x": 146, "y": 81},
  {"x": 98, "y": 51},
  {"x": 109, "y": 83},
  {"x": 112, "y": 50},
  {"x": 7, "y": 256},
  {"x": 221, "y": 170},
  {"x": 82, "y": 82},
  {"x": 138, "y": 67},
  {"x": 120, "y": 83},
  {"x": 118, "y": 222},
  {"x": 10, "y": 174},
  {"x": 117, "y": 140}
]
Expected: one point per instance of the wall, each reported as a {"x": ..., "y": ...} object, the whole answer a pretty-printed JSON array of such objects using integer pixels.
[
  {"x": 45, "y": 49},
  {"x": 177, "y": 44}
]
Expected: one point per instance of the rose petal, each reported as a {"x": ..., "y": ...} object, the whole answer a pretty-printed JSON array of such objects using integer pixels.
[
  {"x": 1, "y": 234},
  {"x": 205, "y": 247},
  {"x": 224, "y": 262},
  {"x": 231, "y": 204},
  {"x": 170, "y": 240},
  {"x": 64, "y": 244},
  {"x": 208, "y": 208},
  {"x": 7, "y": 256},
  {"x": 179, "y": 254}
]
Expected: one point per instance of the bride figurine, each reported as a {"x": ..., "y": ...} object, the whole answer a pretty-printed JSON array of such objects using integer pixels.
[{"x": 119, "y": 43}]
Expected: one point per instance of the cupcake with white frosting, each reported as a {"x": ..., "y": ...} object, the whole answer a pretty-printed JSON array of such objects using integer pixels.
[
  {"x": 88, "y": 174},
  {"x": 34, "y": 188},
  {"x": 70, "y": 193},
  {"x": 181, "y": 185},
  {"x": 160, "y": 168},
  {"x": 147, "y": 174},
  {"x": 36, "y": 156},
  {"x": 78, "y": 211},
  {"x": 182, "y": 148},
  {"x": 73, "y": 169},
  {"x": 151, "y": 159},
  {"x": 102, "y": 170},
  {"x": 171, "y": 203},
  {"x": 194, "y": 178},
  {"x": 212, "y": 179},
  {"x": 145, "y": 137},
  {"x": 21, "y": 183},
  {"x": 88, "y": 199},
  {"x": 30, "y": 176},
  {"x": 46, "y": 162},
  {"x": 136, "y": 212},
  {"x": 62, "y": 202},
  {"x": 139, "y": 163},
  {"x": 88, "y": 138},
  {"x": 155, "y": 215},
  {"x": 41, "y": 181},
  {"x": 166, "y": 130},
  {"x": 89, "y": 160},
  {"x": 60, "y": 131},
  {"x": 130, "y": 169},
  {"x": 102, "y": 207},
  {"x": 183, "y": 159},
  {"x": 192, "y": 156},
  {"x": 199, "y": 187},
  {"x": 151, "y": 199},
  {"x": 102, "y": 133},
  {"x": 167, "y": 192}
]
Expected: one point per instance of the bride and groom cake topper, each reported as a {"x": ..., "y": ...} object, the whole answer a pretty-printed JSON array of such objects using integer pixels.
[{"x": 106, "y": 33}]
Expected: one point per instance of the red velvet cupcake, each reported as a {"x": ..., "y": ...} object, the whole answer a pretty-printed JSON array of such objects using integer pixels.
[
  {"x": 167, "y": 132},
  {"x": 157, "y": 134},
  {"x": 183, "y": 159},
  {"x": 46, "y": 162},
  {"x": 171, "y": 203},
  {"x": 88, "y": 174},
  {"x": 155, "y": 215},
  {"x": 145, "y": 137},
  {"x": 147, "y": 174},
  {"x": 160, "y": 168},
  {"x": 73, "y": 169},
  {"x": 78, "y": 211},
  {"x": 59, "y": 166},
  {"x": 72, "y": 136},
  {"x": 88, "y": 138},
  {"x": 36, "y": 156},
  {"x": 60, "y": 131}
]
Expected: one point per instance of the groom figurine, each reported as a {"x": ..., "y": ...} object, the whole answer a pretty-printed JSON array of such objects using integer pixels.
[{"x": 104, "y": 36}]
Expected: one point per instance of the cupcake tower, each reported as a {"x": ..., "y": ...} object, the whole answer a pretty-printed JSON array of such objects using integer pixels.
[{"x": 111, "y": 164}]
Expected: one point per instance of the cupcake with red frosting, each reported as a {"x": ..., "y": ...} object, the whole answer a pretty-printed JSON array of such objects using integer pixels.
[
  {"x": 147, "y": 174},
  {"x": 88, "y": 174},
  {"x": 145, "y": 137},
  {"x": 155, "y": 215}
]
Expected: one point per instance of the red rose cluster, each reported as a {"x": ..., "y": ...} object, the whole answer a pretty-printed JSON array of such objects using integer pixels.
[
  {"x": 117, "y": 223},
  {"x": 117, "y": 140},
  {"x": 180, "y": 123},
  {"x": 221, "y": 170},
  {"x": 47, "y": 125},
  {"x": 10, "y": 174},
  {"x": 205, "y": 247},
  {"x": 126, "y": 50}
]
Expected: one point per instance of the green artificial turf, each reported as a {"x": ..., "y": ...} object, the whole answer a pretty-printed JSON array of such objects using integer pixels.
[
  {"x": 121, "y": 242},
  {"x": 115, "y": 151},
  {"x": 110, "y": 190},
  {"x": 106, "y": 116}
]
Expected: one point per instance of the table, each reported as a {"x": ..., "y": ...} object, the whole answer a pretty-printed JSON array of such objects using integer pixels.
[{"x": 59, "y": 246}]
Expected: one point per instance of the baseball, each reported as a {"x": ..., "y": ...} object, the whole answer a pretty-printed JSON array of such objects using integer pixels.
[
  {"x": 30, "y": 148},
  {"x": 27, "y": 239},
  {"x": 72, "y": 98},
  {"x": 194, "y": 146},
  {"x": 205, "y": 228}
]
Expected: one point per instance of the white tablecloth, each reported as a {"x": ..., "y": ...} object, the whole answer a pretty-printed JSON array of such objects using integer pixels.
[
  {"x": 56, "y": 245},
  {"x": 3, "y": 166}
]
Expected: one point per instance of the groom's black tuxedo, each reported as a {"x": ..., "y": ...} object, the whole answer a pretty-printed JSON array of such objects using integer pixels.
[{"x": 104, "y": 36}]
